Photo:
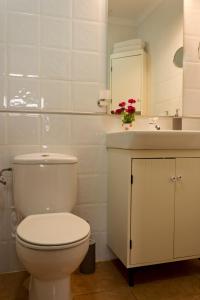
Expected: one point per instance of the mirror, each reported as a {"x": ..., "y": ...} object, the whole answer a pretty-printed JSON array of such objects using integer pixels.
[
  {"x": 178, "y": 58},
  {"x": 145, "y": 55}
]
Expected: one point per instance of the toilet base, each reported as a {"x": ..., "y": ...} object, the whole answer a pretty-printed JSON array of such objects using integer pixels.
[{"x": 51, "y": 290}]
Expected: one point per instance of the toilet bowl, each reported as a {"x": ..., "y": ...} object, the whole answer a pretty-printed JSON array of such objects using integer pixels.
[
  {"x": 51, "y": 242},
  {"x": 51, "y": 246}
]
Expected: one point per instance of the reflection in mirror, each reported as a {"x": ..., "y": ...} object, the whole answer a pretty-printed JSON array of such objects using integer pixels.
[
  {"x": 143, "y": 38},
  {"x": 178, "y": 58}
]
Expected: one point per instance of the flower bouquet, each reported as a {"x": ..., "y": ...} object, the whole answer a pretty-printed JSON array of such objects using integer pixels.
[{"x": 127, "y": 112}]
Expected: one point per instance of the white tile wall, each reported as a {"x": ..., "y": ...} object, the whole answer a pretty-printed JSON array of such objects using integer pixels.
[
  {"x": 86, "y": 36},
  {"x": 52, "y": 56},
  {"x": 2, "y": 5},
  {"x": 2, "y": 27},
  {"x": 55, "y": 64},
  {"x": 23, "y": 93},
  {"x": 23, "y": 61},
  {"x": 55, "y": 94},
  {"x": 52, "y": 8},
  {"x": 85, "y": 96},
  {"x": 23, "y": 129},
  {"x": 90, "y": 137},
  {"x": 2, "y": 59},
  {"x": 55, "y": 130},
  {"x": 89, "y": 10},
  {"x": 191, "y": 100},
  {"x": 23, "y": 29},
  {"x": 55, "y": 32},
  {"x": 31, "y": 6},
  {"x": 85, "y": 66},
  {"x": 2, "y": 91}
]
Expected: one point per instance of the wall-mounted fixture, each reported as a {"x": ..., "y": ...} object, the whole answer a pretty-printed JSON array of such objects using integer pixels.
[{"x": 104, "y": 98}]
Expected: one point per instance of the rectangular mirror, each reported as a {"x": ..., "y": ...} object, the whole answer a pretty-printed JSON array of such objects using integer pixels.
[{"x": 145, "y": 55}]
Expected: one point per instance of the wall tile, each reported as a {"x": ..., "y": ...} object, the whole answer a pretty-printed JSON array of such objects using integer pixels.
[
  {"x": 85, "y": 67},
  {"x": 4, "y": 266},
  {"x": 103, "y": 252},
  {"x": 55, "y": 94},
  {"x": 2, "y": 59},
  {"x": 191, "y": 81},
  {"x": 65, "y": 149},
  {"x": 14, "y": 150},
  {"x": 192, "y": 106},
  {"x": 194, "y": 4},
  {"x": 191, "y": 22},
  {"x": 56, "y": 32},
  {"x": 95, "y": 215},
  {"x": 14, "y": 263},
  {"x": 2, "y": 92},
  {"x": 86, "y": 36},
  {"x": 2, "y": 27},
  {"x": 30, "y": 6},
  {"x": 30, "y": 58},
  {"x": 24, "y": 93},
  {"x": 55, "y": 64},
  {"x": 4, "y": 156},
  {"x": 92, "y": 159},
  {"x": 55, "y": 130},
  {"x": 2, "y": 5},
  {"x": 23, "y": 29},
  {"x": 4, "y": 215},
  {"x": 191, "y": 124},
  {"x": 94, "y": 133},
  {"x": 89, "y": 9},
  {"x": 92, "y": 189},
  {"x": 23, "y": 129},
  {"x": 4, "y": 219},
  {"x": 191, "y": 45},
  {"x": 85, "y": 96},
  {"x": 3, "y": 129},
  {"x": 52, "y": 8}
]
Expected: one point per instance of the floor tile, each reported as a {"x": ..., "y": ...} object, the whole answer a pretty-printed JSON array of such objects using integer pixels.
[
  {"x": 176, "y": 281},
  {"x": 106, "y": 278},
  {"x": 117, "y": 294},
  {"x": 171, "y": 281}
]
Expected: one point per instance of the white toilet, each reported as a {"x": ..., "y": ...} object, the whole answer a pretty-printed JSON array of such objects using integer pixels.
[{"x": 51, "y": 242}]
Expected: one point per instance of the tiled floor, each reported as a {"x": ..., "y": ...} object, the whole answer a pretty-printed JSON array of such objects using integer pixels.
[{"x": 177, "y": 281}]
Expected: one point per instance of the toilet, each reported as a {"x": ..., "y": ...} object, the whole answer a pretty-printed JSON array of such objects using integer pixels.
[{"x": 51, "y": 242}]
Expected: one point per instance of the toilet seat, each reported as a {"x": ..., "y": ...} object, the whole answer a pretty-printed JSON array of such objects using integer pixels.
[{"x": 52, "y": 231}]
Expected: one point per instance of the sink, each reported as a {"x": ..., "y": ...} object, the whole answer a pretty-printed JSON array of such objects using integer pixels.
[{"x": 160, "y": 139}]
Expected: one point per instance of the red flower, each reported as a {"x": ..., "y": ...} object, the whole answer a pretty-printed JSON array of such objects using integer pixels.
[
  {"x": 131, "y": 101},
  {"x": 119, "y": 111},
  {"x": 122, "y": 104},
  {"x": 130, "y": 109}
]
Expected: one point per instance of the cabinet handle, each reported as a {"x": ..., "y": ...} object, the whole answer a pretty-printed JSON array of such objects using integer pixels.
[
  {"x": 173, "y": 179},
  {"x": 179, "y": 178}
]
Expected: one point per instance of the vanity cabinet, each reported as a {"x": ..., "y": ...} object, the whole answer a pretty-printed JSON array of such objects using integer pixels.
[{"x": 153, "y": 205}]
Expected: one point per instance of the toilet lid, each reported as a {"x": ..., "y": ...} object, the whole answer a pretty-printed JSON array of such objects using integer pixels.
[{"x": 53, "y": 229}]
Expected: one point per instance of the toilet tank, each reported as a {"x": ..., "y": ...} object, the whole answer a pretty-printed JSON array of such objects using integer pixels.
[{"x": 44, "y": 183}]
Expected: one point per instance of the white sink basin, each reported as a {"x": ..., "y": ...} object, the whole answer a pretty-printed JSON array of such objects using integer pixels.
[{"x": 160, "y": 139}]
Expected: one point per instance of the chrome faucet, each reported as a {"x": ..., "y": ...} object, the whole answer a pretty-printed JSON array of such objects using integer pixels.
[{"x": 153, "y": 121}]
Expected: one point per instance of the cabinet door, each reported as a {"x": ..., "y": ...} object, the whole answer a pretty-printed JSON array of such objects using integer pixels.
[
  {"x": 152, "y": 212},
  {"x": 126, "y": 79},
  {"x": 187, "y": 208}
]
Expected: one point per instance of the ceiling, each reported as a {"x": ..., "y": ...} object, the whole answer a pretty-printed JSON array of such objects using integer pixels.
[{"x": 134, "y": 10}]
